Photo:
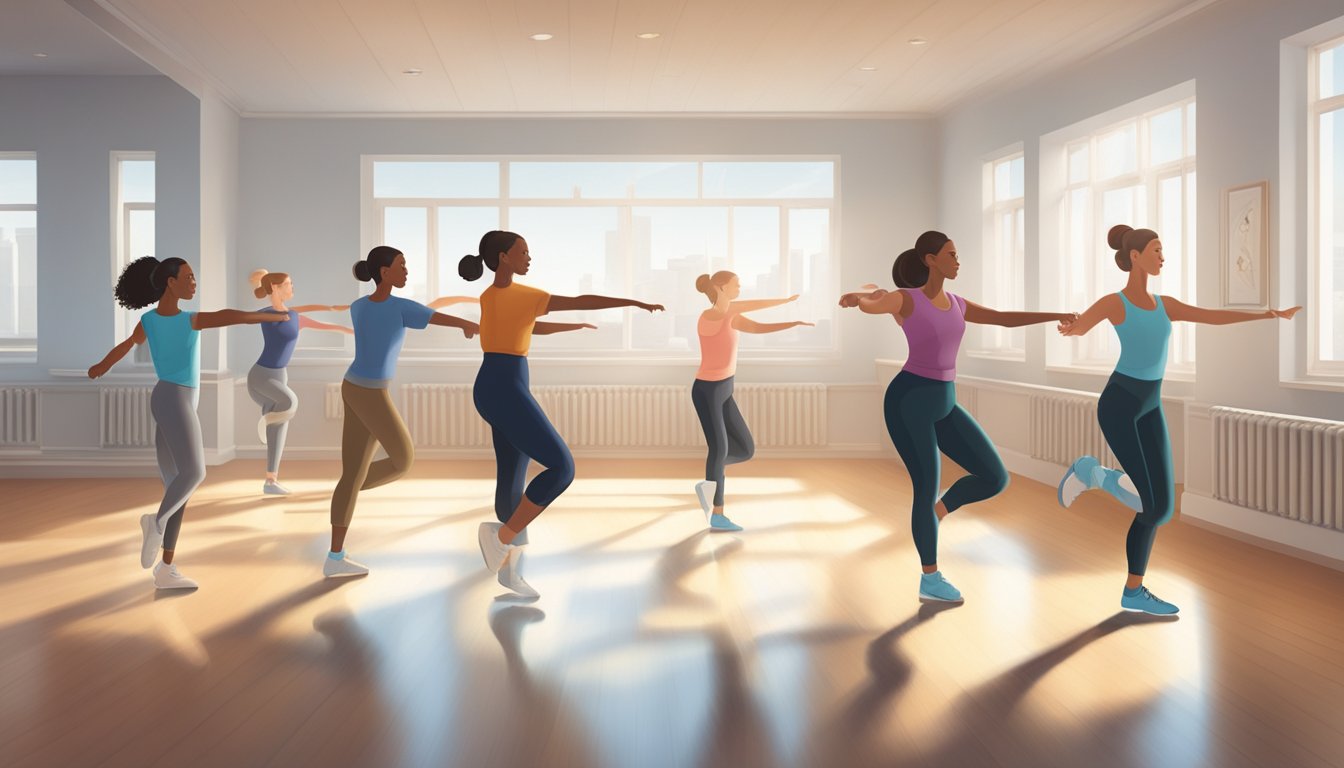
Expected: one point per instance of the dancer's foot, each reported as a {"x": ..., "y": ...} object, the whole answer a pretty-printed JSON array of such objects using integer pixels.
[
  {"x": 494, "y": 551},
  {"x": 721, "y": 524},
  {"x": 704, "y": 491},
  {"x": 1140, "y": 600},
  {"x": 511, "y": 575},
  {"x": 1076, "y": 480},
  {"x": 168, "y": 577},
  {"x": 151, "y": 538},
  {"x": 337, "y": 565},
  {"x": 932, "y": 586},
  {"x": 274, "y": 488}
]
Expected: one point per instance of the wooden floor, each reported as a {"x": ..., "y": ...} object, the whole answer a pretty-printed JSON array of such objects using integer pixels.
[{"x": 797, "y": 642}]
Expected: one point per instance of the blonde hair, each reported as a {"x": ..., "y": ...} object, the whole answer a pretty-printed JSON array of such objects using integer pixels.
[
  {"x": 710, "y": 284},
  {"x": 264, "y": 282}
]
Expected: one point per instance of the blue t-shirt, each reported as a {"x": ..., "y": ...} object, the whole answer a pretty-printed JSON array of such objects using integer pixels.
[
  {"x": 174, "y": 346},
  {"x": 380, "y": 327},
  {"x": 279, "y": 338},
  {"x": 1143, "y": 340}
]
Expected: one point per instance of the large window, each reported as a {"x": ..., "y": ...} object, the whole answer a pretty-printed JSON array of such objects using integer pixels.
[
  {"x": 1138, "y": 171},
  {"x": 132, "y": 226},
  {"x": 18, "y": 253},
  {"x": 1326, "y": 303},
  {"x": 1004, "y": 285},
  {"x": 643, "y": 228}
]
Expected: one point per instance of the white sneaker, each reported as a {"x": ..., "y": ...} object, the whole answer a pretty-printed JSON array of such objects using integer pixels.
[
  {"x": 334, "y": 568},
  {"x": 493, "y": 550},
  {"x": 704, "y": 491},
  {"x": 274, "y": 488},
  {"x": 168, "y": 577},
  {"x": 511, "y": 575},
  {"x": 151, "y": 539}
]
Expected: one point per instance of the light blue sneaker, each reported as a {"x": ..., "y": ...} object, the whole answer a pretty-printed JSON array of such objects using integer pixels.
[
  {"x": 721, "y": 523},
  {"x": 1143, "y": 601},
  {"x": 1077, "y": 480},
  {"x": 932, "y": 586}
]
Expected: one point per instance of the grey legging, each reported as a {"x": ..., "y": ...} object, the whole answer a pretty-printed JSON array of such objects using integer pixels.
[
  {"x": 725, "y": 430},
  {"x": 180, "y": 452},
  {"x": 269, "y": 389}
]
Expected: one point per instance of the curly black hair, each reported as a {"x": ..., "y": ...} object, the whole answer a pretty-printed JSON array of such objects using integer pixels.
[{"x": 144, "y": 280}]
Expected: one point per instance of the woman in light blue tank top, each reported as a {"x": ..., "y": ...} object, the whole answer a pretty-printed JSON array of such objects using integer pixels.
[
  {"x": 173, "y": 335},
  {"x": 1130, "y": 407}
]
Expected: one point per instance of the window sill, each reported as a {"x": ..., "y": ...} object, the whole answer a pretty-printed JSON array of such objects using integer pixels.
[
  {"x": 1320, "y": 384},
  {"x": 1011, "y": 356},
  {"x": 1185, "y": 377}
]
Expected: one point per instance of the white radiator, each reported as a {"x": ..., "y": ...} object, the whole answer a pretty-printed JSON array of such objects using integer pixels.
[
  {"x": 18, "y": 415},
  {"x": 779, "y": 415},
  {"x": 1064, "y": 427},
  {"x": 1283, "y": 465},
  {"x": 126, "y": 420}
]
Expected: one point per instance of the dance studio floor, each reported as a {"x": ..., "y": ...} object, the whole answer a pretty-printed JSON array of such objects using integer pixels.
[{"x": 797, "y": 642}]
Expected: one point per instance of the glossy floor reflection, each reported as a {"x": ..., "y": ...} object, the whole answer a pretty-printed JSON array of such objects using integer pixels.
[{"x": 798, "y": 642}]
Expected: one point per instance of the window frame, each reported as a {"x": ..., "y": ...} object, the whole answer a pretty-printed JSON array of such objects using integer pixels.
[
  {"x": 994, "y": 342},
  {"x": 1316, "y": 366},
  {"x": 124, "y": 320},
  {"x": 372, "y": 221},
  {"x": 20, "y": 349}
]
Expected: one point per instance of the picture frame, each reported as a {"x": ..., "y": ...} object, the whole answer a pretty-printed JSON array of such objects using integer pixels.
[{"x": 1244, "y": 255}]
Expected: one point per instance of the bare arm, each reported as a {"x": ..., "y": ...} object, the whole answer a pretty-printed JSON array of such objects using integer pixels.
[
  {"x": 878, "y": 302},
  {"x": 588, "y": 301},
  {"x": 1180, "y": 311},
  {"x": 546, "y": 329},
  {"x": 751, "y": 305},
  {"x": 1108, "y": 307},
  {"x": 320, "y": 308},
  {"x": 102, "y": 366},
  {"x": 982, "y": 315},
  {"x": 224, "y": 317},
  {"x": 747, "y": 325},
  {"x": 469, "y": 328},
  {"x": 448, "y": 301},
  {"x": 317, "y": 325}
]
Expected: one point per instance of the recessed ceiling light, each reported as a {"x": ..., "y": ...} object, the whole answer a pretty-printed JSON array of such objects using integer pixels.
[
  {"x": 918, "y": 41},
  {"x": 867, "y": 69},
  {"x": 412, "y": 71},
  {"x": 649, "y": 35},
  {"x": 39, "y": 55},
  {"x": 541, "y": 36}
]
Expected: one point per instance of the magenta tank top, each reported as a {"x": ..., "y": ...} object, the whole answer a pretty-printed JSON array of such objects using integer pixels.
[{"x": 935, "y": 336}]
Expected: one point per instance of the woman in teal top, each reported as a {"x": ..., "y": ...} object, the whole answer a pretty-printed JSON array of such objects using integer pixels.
[
  {"x": 174, "y": 345},
  {"x": 1130, "y": 407}
]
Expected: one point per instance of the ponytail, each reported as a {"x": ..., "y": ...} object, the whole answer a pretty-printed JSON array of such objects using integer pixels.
[{"x": 144, "y": 280}]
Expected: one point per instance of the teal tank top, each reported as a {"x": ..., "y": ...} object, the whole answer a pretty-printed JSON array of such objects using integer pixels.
[
  {"x": 1143, "y": 341},
  {"x": 174, "y": 346}
]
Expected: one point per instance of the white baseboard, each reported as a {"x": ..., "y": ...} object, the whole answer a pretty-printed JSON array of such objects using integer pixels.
[{"x": 1301, "y": 540}]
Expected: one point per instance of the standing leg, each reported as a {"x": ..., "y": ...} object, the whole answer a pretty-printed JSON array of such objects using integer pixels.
[
  {"x": 357, "y": 445},
  {"x": 181, "y": 430},
  {"x": 510, "y": 479},
  {"x": 910, "y": 412},
  {"x": 1152, "y": 434}
]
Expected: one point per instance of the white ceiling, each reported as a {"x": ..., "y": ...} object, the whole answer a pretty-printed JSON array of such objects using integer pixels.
[
  {"x": 73, "y": 44},
  {"x": 348, "y": 56}
]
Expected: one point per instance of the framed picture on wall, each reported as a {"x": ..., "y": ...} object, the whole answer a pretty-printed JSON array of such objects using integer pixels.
[{"x": 1245, "y": 252}]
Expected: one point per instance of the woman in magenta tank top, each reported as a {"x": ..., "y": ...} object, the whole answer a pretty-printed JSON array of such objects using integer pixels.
[{"x": 920, "y": 407}]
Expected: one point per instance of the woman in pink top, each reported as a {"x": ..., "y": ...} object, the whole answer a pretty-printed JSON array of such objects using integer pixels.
[
  {"x": 712, "y": 393},
  {"x": 921, "y": 409}
]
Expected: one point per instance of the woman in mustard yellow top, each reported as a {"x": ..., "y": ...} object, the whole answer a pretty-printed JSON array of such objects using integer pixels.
[{"x": 519, "y": 429}]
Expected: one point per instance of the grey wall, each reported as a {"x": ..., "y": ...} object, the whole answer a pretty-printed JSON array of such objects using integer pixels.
[
  {"x": 1232, "y": 50},
  {"x": 74, "y": 124}
]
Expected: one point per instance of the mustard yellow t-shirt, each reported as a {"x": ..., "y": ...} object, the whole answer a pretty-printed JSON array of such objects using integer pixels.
[{"x": 507, "y": 317}]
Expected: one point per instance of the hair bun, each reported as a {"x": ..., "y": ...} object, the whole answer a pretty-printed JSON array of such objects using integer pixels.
[
  {"x": 471, "y": 267},
  {"x": 361, "y": 271},
  {"x": 702, "y": 283},
  {"x": 1116, "y": 236}
]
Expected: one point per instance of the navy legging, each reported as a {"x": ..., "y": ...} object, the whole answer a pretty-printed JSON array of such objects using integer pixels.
[
  {"x": 923, "y": 418},
  {"x": 520, "y": 432},
  {"x": 1130, "y": 413}
]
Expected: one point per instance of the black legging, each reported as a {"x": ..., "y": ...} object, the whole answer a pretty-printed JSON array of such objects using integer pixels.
[
  {"x": 1130, "y": 413},
  {"x": 725, "y": 430}
]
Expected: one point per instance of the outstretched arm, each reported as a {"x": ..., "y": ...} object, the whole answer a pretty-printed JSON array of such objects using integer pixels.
[
  {"x": 589, "y": 301},
  {"x": 1108, "y": 307},
  {"x": 1180, "y": 311},
  {"x": 546, "y": 329},
  {"x": 320, "y": 308},
  {"x": 747, "y": 325},
  {"x": 982, "y": 315},
  {"x": 317, "y": 325},
  {"x": 102, "y": 366},
  {"x": 448, "y": 301},
  {"x": 469, "y": 328},
  {"x": 877, "y": 302},
  {"x": 751, "y": 305},
  {"x": 224, "y": 317}
]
